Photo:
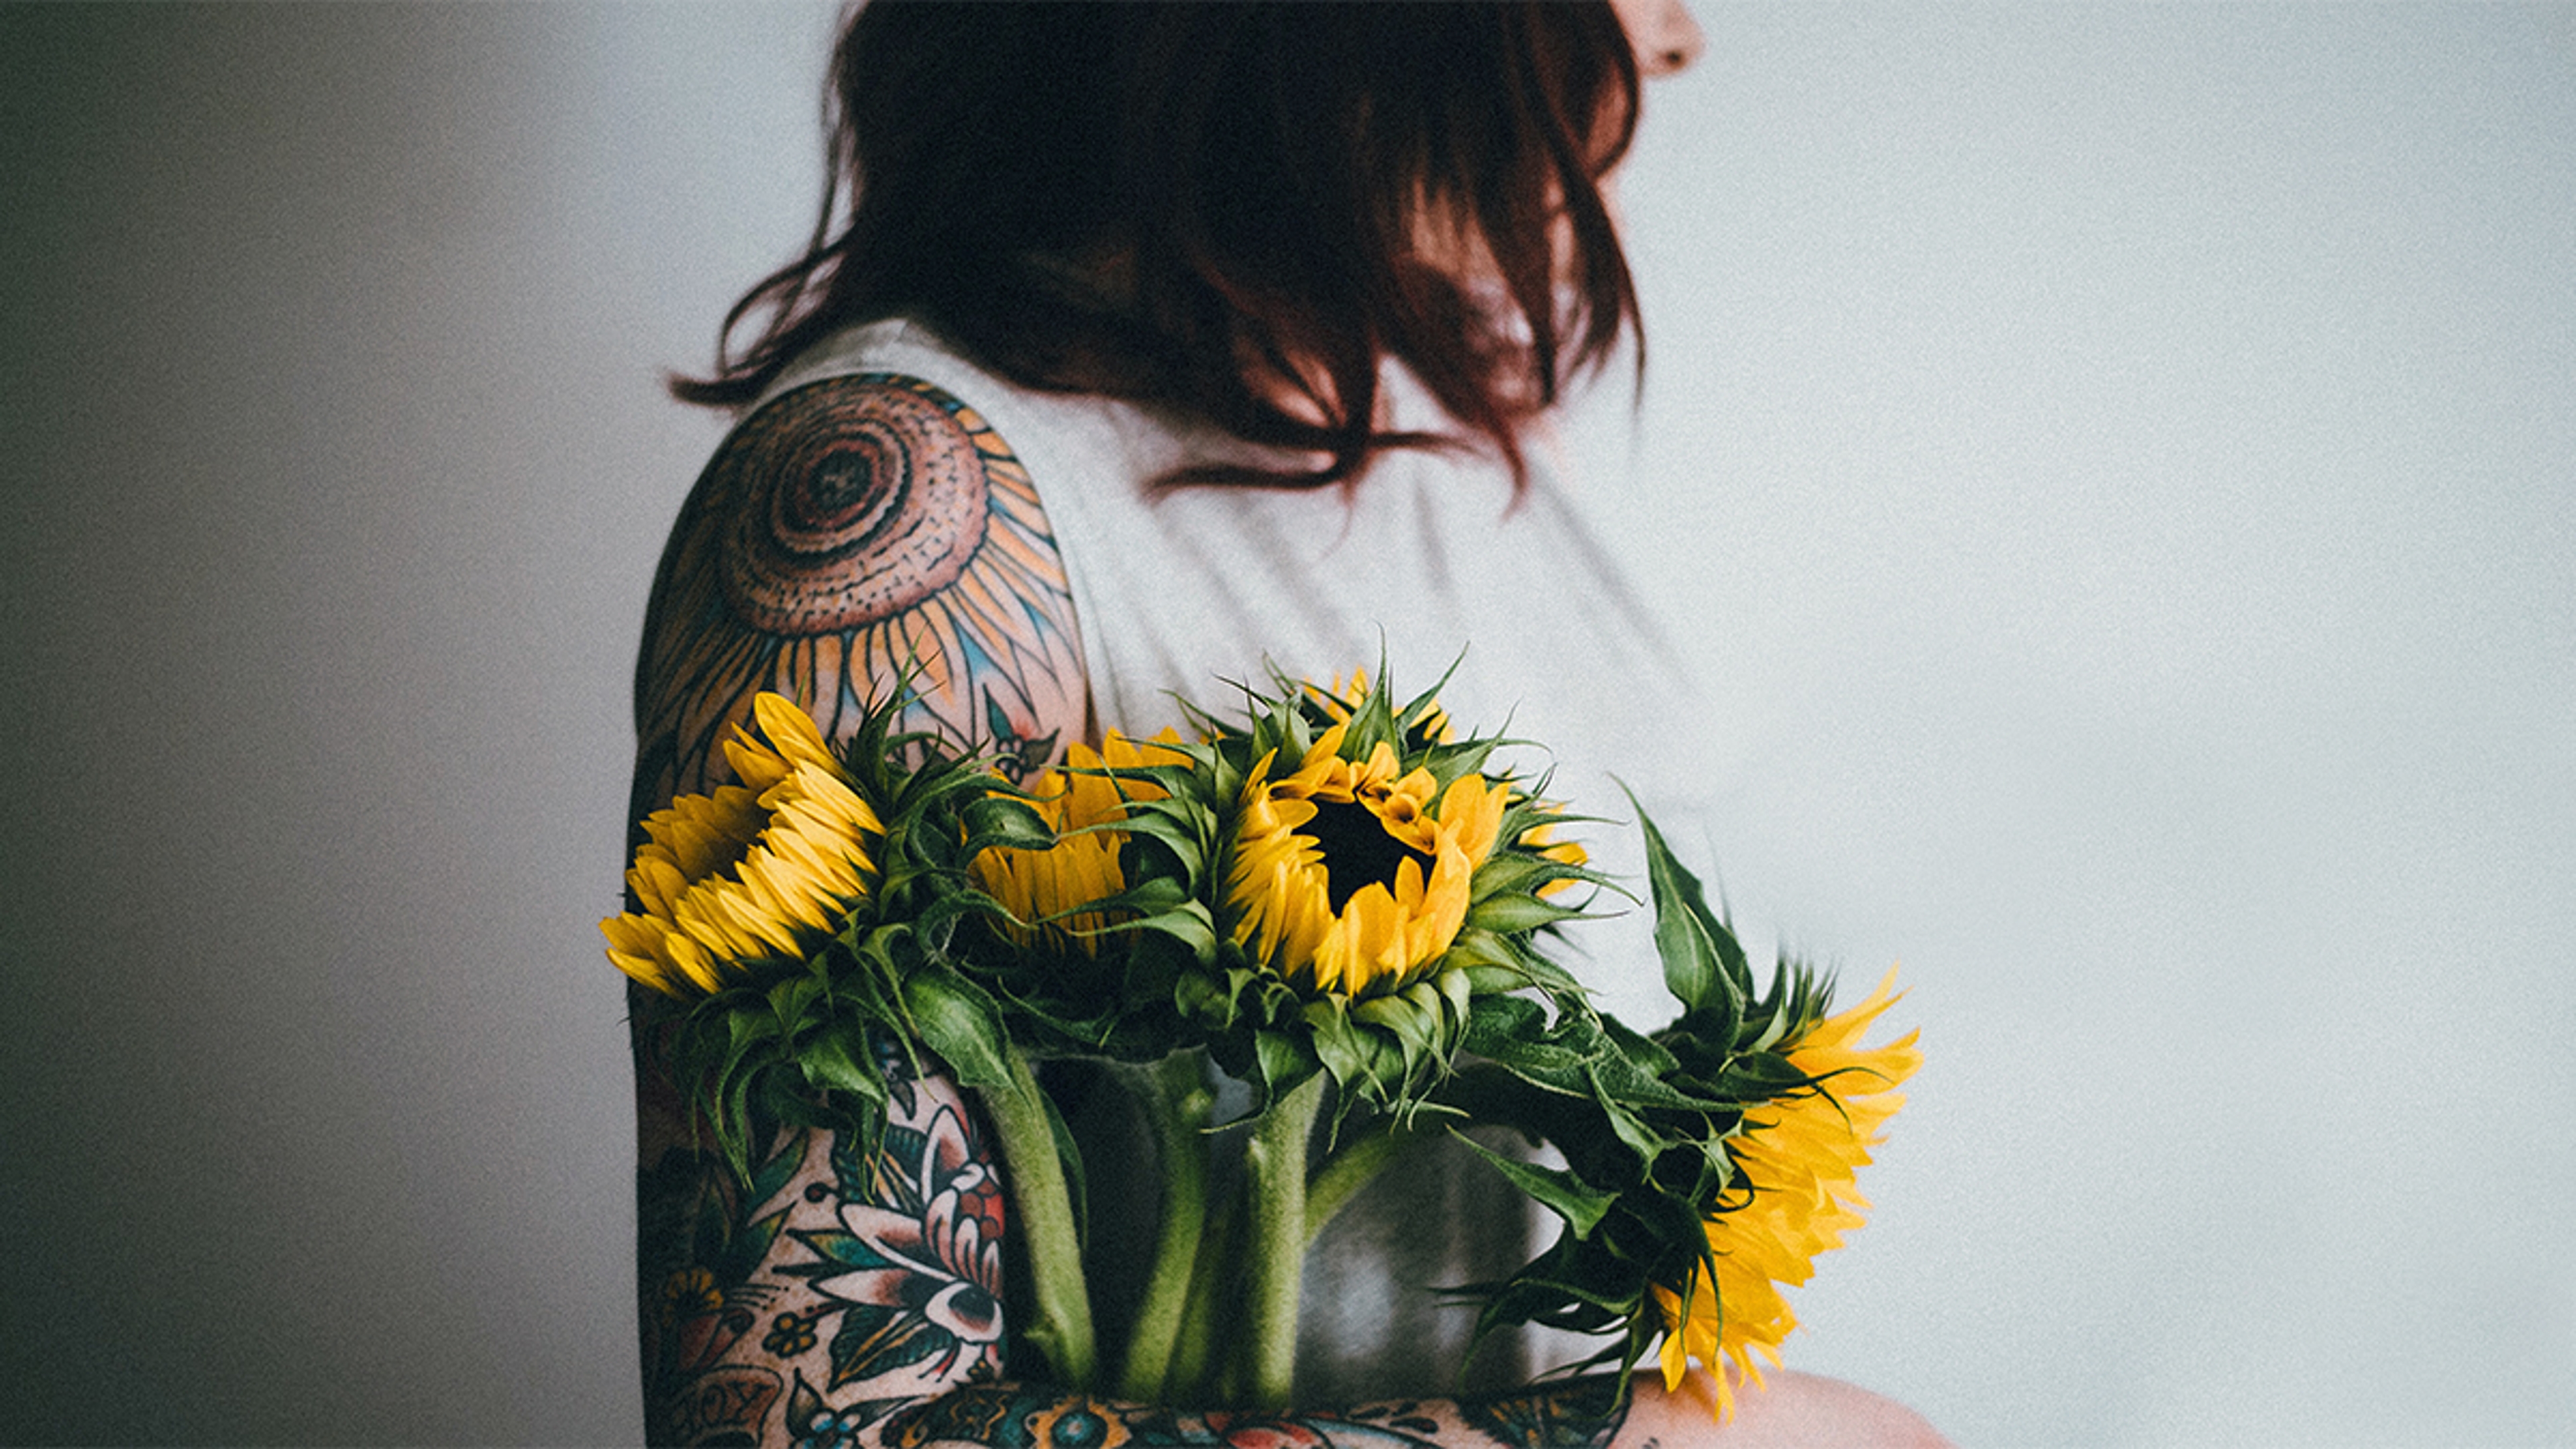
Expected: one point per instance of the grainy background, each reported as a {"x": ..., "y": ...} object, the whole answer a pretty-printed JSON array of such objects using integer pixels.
[{"x": 2119, "y": 462}]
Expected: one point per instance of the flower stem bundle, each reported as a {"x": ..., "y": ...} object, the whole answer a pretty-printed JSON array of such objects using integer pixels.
[{"x": 1327, "y": 898}]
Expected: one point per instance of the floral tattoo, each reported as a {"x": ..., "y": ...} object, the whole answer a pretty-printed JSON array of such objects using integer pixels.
[
  {"x": 913, "y": 1268},
  {"x": 835, "y": 1284}
]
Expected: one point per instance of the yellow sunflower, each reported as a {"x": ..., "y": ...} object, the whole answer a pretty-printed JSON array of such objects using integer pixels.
[
  {"x": 1350, "y": 876},
  {"x": 1798, "y": 1156},
  {"x": 1543, "y": 839},
  {"x": 1081, "y": 867},
  {"x": 761, "y": 870},
  {"x": 1430, "y": 722}
]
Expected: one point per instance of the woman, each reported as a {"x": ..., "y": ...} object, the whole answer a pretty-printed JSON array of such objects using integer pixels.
[{"x": 1155, "y": 342}]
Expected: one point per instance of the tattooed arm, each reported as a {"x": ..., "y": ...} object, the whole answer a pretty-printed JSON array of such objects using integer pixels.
[{"x": 851, "y": 534}]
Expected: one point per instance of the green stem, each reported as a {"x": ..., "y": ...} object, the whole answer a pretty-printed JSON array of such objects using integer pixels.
[
  {"x": 1212, "y": 1283},
  {"x": 1275, "y": 1173},
  {"x": 1176, "y": 1097},
  {"x": 1060, "y": 1319},
  {"x": 1349, "y": 1170}
]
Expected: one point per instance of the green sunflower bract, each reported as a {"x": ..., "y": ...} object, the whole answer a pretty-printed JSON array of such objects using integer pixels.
[{"x": 1327, "y": 895}]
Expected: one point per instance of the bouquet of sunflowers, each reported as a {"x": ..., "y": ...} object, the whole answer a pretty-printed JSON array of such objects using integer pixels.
[{"x": 1329, "y": 897}]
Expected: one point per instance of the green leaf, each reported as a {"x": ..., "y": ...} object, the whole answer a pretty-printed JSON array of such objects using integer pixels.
[
  {"x": 1501, "y": 1021},
  {"x": 1627, "y": 1126},
  {"x": 1281, "y": 1064},
  {"x": 1561, "y": 1192},
  {"x": 1068, "y": 1156},
  {"x": 1344, "y": 1051},
  {"x": 961, "y": 1023},
  {"x": 1506, "y": 1031},
  {"x": 1703, "y": 964},
  {"x": 829, "y": 1063},
  {"x": 1405, "y": 1016},
  {"x": 791, "y": 999},
  {"x": 1201, "y": 997},
  {"x": 1458, "y": 990},
  {"x": 747, "y": 1029},
  {"x": 1531, "y": 1294},
  {"x": 1763, "y": 1076},
  {"x": 772, "y": 1179},
  {"x": 1000, "y": 820},
  {"x": 1638, "y": 1073},
  {"x": 1188, "y": 924},
  {"x": 1514, "y": 914}
]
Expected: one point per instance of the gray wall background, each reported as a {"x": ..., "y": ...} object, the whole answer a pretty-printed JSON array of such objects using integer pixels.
[{"x": 2119, "y": 462}]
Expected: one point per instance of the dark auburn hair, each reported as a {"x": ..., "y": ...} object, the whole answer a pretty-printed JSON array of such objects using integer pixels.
[{"x": 1236, "y": 210}]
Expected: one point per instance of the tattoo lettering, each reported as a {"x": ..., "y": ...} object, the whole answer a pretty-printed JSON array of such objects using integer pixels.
[
  {"x": 723, "y": 1406},
  {"x": 853, "y": 534}
]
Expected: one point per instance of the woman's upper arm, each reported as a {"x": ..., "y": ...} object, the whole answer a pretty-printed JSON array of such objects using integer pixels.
[{"x": 855, "y": 536}]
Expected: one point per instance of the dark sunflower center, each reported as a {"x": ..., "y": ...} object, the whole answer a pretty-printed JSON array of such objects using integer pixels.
[{"x": 1357, "y": 850}]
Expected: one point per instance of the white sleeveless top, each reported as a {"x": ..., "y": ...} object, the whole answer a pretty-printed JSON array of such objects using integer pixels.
[{"x": 1430, "y": 562}]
